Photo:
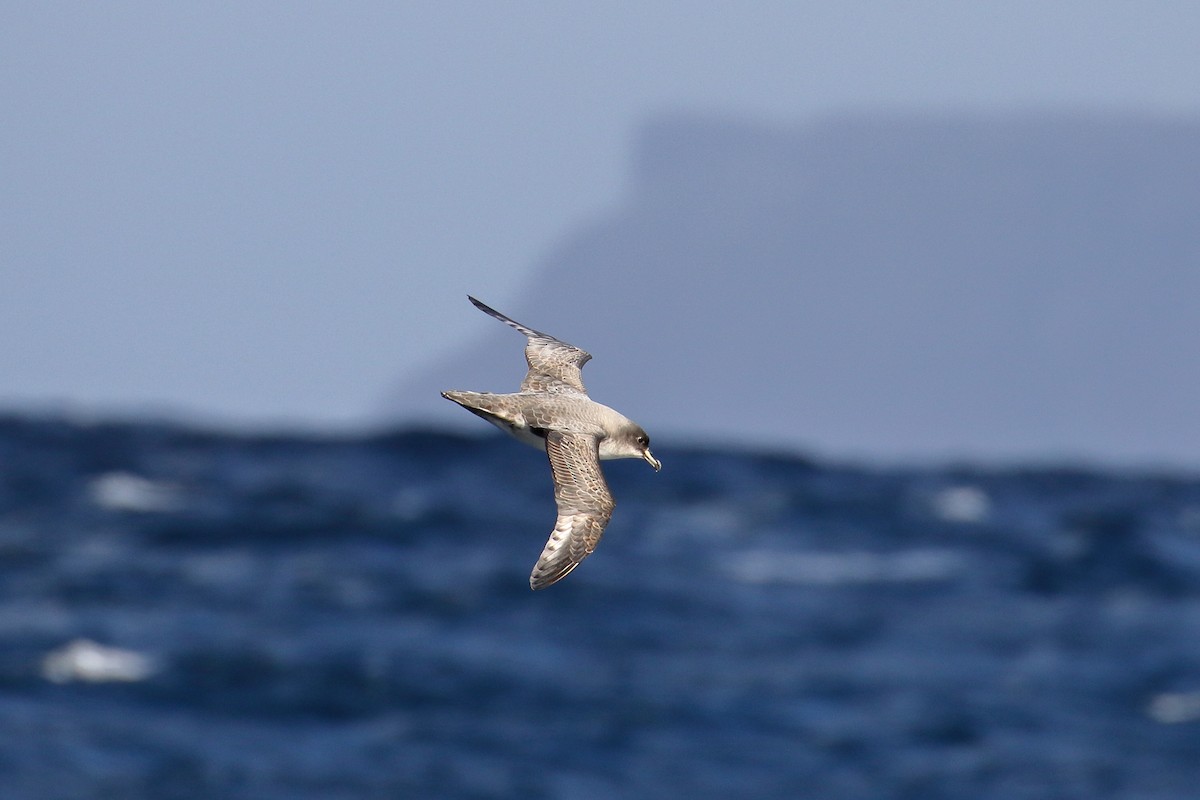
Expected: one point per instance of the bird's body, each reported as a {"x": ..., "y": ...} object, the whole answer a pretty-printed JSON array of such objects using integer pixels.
[
  {"x": 552, "y": 411},
  {"x": 528, "y": 415}
]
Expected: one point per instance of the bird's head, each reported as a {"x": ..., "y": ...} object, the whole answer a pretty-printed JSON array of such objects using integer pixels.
[
  {"x": 640, "y": 444},
  {"x": 628, "y": 440}
]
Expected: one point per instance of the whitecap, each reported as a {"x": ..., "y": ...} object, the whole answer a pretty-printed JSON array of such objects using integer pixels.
[
  {"x": 834, "y": 569},
  {"x": 965, "y": 504},
  {"x": 124, "y": 491},
  {"x": 1173, "y": 708},
  {"x": 85, "y": 660}
]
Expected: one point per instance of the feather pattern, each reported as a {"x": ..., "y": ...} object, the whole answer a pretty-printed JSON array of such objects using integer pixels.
[
  {"x": 585, "y": 506},
  {"x": 554, "y": 365},
  {"x": 553, "y": 412}
]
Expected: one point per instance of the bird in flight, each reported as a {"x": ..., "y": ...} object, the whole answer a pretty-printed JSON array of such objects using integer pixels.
[{"x": 552, "y": 411}]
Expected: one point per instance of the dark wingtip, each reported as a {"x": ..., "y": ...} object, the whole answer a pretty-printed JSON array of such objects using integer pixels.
[
  {"x": 482, "y": 306},
  {"x": 542, "y": 583},
  {"x": 538, "y": 582},
  {"x": 507, "y": 320}
]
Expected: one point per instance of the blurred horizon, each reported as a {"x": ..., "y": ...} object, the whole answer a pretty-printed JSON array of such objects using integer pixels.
[
  {"x": 264, "y": 216},
  {"x": 905, "y": 295}
]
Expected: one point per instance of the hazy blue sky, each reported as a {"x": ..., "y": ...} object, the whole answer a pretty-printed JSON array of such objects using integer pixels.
[{"x": 269, "y": 211}]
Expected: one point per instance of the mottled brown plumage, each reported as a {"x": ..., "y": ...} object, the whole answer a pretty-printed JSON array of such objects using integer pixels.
[
  {"x": 552, "y": 411},
  {"x": 554, "y": 366},
  {"x": 585, "y": 506}
]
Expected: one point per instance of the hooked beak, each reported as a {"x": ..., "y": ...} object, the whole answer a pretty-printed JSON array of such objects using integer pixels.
[{"x": 651, "y": 460}]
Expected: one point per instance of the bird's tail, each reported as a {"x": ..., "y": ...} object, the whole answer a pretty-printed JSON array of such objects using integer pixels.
[{"x": 483, "y": 404}]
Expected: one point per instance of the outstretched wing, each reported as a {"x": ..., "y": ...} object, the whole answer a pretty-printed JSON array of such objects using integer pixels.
[
  {"x": 554, "y": 366},
  {"x": 584, "y": 506}
]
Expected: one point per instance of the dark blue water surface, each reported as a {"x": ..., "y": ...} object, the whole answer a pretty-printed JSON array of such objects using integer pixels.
[{"x": 351, "y": 618}]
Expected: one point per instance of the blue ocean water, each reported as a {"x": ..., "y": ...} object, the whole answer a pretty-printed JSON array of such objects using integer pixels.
[{"x": 187, "y": 614}]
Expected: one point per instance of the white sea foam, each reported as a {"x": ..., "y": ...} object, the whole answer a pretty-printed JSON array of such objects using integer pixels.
[
  {"x": 833, "y": 569},
  {"x": 85, "y": 660},
  {"x": 1174, "y": 708},
  {"x": 124, "y": 491},
  {"x": 967, "y": 504}
]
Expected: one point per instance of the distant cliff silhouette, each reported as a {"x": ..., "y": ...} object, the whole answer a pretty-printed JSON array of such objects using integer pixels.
[{"x": 897, "y": 286}]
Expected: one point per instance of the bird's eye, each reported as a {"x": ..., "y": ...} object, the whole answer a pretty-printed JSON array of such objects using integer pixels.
[{"x": 643, "y": 440}]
